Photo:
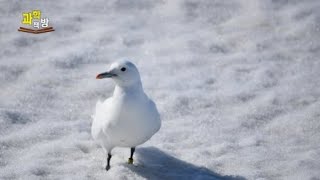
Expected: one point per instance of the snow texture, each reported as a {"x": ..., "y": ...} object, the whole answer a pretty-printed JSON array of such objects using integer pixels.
[{"x": 237, "y": 84}]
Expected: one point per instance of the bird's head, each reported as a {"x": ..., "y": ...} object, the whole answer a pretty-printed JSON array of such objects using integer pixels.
[{"x": 124, "y": 73}]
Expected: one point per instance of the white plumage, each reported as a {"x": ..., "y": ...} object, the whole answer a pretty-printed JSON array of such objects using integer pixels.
[{"x": 128, "y": 118}]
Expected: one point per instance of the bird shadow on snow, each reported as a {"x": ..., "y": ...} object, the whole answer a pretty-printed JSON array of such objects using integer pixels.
[{"x": 156, "y": 164}]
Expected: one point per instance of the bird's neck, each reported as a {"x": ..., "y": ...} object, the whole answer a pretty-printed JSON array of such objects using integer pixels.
[{"x": 135, "y": 89}]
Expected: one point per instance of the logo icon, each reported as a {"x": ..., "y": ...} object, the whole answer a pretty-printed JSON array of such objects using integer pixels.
[{"x": 34, "y": 20}]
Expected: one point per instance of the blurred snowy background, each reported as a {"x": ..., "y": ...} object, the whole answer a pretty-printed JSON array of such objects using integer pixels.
[{"x": 237, "y": 83}]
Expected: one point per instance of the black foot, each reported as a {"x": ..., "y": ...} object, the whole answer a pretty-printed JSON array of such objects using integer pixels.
[
  {"x": 130, "y": 161},
  {"x": 107, "y": 168}
]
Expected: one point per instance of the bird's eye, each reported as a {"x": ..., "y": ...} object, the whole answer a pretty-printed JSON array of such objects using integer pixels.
[{"x": 123, "y": 69}]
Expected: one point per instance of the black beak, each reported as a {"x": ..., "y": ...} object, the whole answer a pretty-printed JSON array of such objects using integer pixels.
[{"x": 105, "y": 75}]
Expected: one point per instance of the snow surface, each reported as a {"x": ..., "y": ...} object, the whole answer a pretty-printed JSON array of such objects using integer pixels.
[{"x": 237, "y": 85}]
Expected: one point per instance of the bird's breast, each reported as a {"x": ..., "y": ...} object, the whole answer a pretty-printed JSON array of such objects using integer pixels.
[{"x": 130, "y": 123}]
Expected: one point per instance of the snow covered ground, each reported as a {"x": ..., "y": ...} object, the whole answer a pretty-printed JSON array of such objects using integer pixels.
[{"x": 237, "y": 84}]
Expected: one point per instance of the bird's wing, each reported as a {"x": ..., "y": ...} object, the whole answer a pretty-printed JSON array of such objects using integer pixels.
[
  {"x": 100, "y": 117},
  {"x": 101, "y": 109},
  {"x": 98, "y": 108},
  {"x": 153, "y": 110}
]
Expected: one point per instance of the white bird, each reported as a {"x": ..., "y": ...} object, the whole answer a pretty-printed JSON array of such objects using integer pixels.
[{"x": 128, "y": 118}]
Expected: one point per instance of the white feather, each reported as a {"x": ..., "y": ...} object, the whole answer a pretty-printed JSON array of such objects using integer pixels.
[{"x": 128, "y": 118}]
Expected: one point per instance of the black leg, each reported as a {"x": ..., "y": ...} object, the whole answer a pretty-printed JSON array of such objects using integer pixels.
[
  {"x": 108, "y": 162},
  {"x": 130, "y": 161},
  {"x": 132, "y": 151}
]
